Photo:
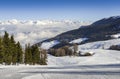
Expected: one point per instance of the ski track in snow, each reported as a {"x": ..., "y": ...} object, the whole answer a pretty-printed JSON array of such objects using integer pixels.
[{"x": 109, "y": 71}]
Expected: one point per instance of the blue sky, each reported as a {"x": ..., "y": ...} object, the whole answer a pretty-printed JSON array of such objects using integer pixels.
[{"x": 85, "y": 10}]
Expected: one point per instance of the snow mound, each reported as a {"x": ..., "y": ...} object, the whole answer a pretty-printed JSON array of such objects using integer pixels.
[
  {"x": 116, "y": 36},
  {"x": 89, "y": 52},
  {"x": 78, "y": 40},
  {"x": 47, "y": 45}
]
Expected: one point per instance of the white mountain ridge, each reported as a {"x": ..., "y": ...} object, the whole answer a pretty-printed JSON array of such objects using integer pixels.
[{"x": 42, "y": 22}]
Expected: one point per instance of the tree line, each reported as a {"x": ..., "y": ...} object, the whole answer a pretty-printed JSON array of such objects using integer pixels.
[
  {"x": 115, "y": 47},
  {"x": 12, "y": 53},
  {"x": 34, "y": 55},
  {"x": 64, "y": 51}
]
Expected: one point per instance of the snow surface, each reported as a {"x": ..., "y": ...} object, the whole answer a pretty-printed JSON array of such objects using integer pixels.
[
  {"x": 116, "y": 36},
  {"x": 78, "y": 40},
  {"x": 47, "y": 45},
  {"x": 99, "y": 44},
  {"x": 104, "y": 64},
  {"x": 108, "y": 71},
  {"x": 84, "y": 52},
  {"x": 100, "y": 57}
]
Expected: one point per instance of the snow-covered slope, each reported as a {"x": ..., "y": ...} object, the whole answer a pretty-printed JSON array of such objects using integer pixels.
[
  {"x": 99, "y": 44},
  {"x": 108, "y": 71},
  {"x": 47, "y": 45},
  {"x": 116, "y": 35},
  {"x": 104, "y": 64},
  {"x": 101, "y": 56},
  {"x": 78, "y": 40}
]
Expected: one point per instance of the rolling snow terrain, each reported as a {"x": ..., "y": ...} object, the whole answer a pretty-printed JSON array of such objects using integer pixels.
[{"x": 104, "y": 64}]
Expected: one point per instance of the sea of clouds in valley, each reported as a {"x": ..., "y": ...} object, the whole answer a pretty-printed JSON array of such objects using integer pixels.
[{"x": 35, "y": 31}]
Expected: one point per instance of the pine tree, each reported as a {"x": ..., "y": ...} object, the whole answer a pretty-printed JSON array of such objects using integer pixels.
[
  {"x": 19, "y": 53},
  {"x": 1, "y": 52},
  {"x": 35, "y": 55},
  {"x": 28, "y": 55},
  {"x": 7, "y": 51},
  {"x": 13, "y": 50}
]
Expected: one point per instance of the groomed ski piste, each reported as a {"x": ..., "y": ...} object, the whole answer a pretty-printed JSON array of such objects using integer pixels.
[{"x": 104, "y": 64}]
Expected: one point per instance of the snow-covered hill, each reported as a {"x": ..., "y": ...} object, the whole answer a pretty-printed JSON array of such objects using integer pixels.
[
  {"x": 99, "y": 44},
  {"x": 102, "y": 54},
  {"x": 100, "y": 57},
  {"x": 104, "y": 64},
  {"x": 48, "y": 45},
  {"x": 116, "y": 35},
  {"x": 78, "y": 40}
]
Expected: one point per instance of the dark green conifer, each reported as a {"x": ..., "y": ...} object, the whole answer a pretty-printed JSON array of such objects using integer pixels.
[
  {"x": 28, "y": 54},
  {"x": 6, "y": 49},
  {"x": 1, "y": 52},
  {"x": 35, "y": 55},
  {"x": 13, "y": 50},
  {"x": 19, "y": 53}
]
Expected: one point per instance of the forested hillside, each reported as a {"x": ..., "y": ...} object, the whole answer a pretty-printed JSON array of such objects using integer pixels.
[{"x": 12, "y": 53}]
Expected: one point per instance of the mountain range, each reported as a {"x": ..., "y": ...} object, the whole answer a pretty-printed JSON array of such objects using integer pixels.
[{"x": 98, "y": 31}]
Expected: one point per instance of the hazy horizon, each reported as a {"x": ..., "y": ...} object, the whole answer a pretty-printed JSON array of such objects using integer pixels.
[{"x": 34, "y": 20}]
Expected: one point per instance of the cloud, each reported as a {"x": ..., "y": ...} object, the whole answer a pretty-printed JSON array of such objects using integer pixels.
[{"x": 35, "y": 31}]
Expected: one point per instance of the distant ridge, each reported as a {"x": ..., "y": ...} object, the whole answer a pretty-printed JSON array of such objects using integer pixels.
[{"x": 98, "y": 31}]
